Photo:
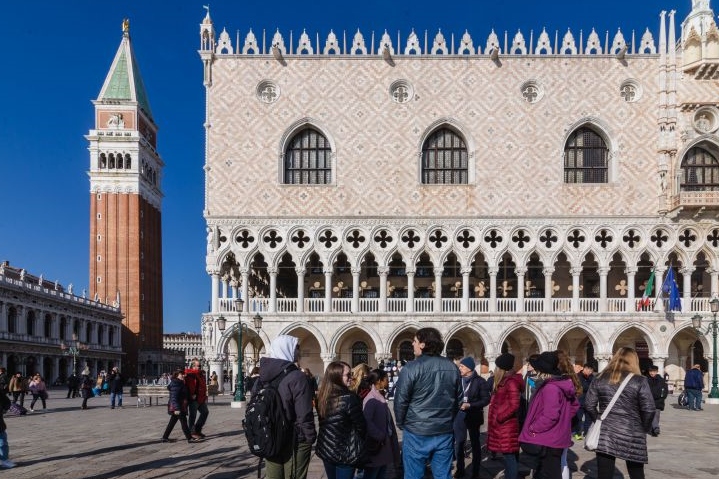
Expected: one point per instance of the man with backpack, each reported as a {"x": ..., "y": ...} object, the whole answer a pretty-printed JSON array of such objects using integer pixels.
[{"x": 279, "y": 376}]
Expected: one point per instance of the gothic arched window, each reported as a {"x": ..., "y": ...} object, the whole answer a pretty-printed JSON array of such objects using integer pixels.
[
  {"x": 360, "y": 353},
  {"x": 308, "y": 159},
  {"x": 455, "y": 349},
  {"x": 586, "y": 158},
  {"x": 445, "y": 159},
  {"x": 700, "y": 171}
]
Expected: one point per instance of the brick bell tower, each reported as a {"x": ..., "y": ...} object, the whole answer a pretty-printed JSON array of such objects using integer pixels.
[{"x": 126, "y": 208}]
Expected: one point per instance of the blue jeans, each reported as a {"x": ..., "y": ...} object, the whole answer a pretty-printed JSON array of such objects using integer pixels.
[
  {"x": 338, "y": 471},
  {"x": 112, "y": 399},
  {"x": 417, "y": 450},
  {"x": 4, "y": 447},
  {"x": 511, "y": 465},
  {"x": 694, "y": 398}
]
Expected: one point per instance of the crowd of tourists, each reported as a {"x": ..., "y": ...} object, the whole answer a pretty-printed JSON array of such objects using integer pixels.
[{"x": 439, "y": 405}]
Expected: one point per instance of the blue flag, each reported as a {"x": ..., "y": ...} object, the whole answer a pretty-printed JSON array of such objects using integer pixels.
[{"x": 670, "y": 287}]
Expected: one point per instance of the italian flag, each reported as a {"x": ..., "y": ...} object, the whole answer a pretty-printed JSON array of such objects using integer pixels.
[{"x": 647, "y": 291}]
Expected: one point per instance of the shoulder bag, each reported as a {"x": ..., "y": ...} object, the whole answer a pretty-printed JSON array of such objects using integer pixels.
[{"x": 591, "y": 441}]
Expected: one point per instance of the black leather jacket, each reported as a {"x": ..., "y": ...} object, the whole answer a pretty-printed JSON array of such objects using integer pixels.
[
  {"x": 341, "y": 439},
  {"x": 624, "y": 431},
  {"x": 427, "y": 396}
]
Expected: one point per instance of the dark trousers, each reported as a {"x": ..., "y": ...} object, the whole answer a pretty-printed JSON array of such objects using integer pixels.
[
  {"x": 171, "y": 425},
  {"x": 605, "y": 467},
  {"x": 581, "y": 422},
  {"x": 550, "y": 463},
  {"x": 459, "y": 445},
  {"x": 197, "y": 425},
  {"x": 20, "y": 395},
  {"x": 35, "y": 397}
]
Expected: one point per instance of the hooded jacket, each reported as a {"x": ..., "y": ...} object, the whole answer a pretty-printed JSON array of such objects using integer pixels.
[
  {"x": 294, "y": 389},
  {"x": 549, "y": 419},
  {"x": 624, "y": 431}
]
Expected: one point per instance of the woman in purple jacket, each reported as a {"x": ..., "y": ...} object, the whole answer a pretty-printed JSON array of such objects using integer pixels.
[
  {"x": 548, "y": 425},
  {"x": 382, "y": 444}
]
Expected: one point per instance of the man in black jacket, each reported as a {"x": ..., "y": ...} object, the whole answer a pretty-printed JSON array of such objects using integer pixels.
[
  {"x": 296, "y": 394},
  {"x": 426, "y": 400},
  {"x": 658, "y": 386},
  {"x": 470, "y": 417}
]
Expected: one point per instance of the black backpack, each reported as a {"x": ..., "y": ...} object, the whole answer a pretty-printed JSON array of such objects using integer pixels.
[{"x": 267, "y": 429}]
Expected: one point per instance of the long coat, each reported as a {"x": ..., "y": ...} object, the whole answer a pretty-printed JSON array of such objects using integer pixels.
[
  {"x": 502, "y": 418},
  {"x": 624, "y": 431},
  {"x": 380, "y": 428}
]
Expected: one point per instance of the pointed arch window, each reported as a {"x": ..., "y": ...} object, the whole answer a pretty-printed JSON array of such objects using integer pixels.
[
  {"x": 445, "y": 159},
  {"x": 586, "y": 158},
  {"x": 699, "y": 171},
  {"x": 308, "y": 159}
]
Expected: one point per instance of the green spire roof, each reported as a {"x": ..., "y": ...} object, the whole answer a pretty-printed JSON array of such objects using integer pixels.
[{"x": 124, "y": 82}]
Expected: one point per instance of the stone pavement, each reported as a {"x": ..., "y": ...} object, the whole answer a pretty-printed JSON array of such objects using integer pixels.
[{"x": 65, "y": 441}]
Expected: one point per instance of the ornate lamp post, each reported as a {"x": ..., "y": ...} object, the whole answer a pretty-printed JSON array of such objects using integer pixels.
[
  {"x": 221, "y": 325},
  {"x": 72, "y": 350},
  {"x": 697, "y": 324}
]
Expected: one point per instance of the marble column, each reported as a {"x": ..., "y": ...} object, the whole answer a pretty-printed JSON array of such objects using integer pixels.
[
  {"x": 492, "y": 271},
  {"x": 520, "y": 271},
  {"x": 687, "y": 288},
  {"x": 437, "y": 307},
  {"x": 575, "y": 272},
  {"x": 631, "y": 272},
  {"x": 300, "y": 289},
  {"x": 548, "y": 290},
  {"x": 410, "y": 290},
  {"x": 603, "y": 272},
  {"x": 355, "y": 289},
  {"x": 215, "y": 275},
  {"x": 383, "y": 271},
  {"x": 273, "y": 289},
  {"x": 328, "y": 290}
]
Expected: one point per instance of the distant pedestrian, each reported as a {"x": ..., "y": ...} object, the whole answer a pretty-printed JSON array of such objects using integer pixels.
[
  {"x": 694, "y": 384},
  {"x": 341, "y": 438},
  {"x": 197, "y": 386},
  {"x": 38, "y": 390},
  {"x": 624, "y": 430},
  {"x": 5, "y": 462},
  {"x": 177, "y": 407},
  {"x": 73, "y": 383},
  {"x": 658, "y": 387},
  {"x": 583, "y": 421},
  {"x": 17, "y": 389},
  {"x": 116, "y": 383},
  {"x": 427, "y": 398},
  {"x": 382, "y": 444},
  {"x": 86, "y": 388},
  {"x": 503, "y": 414}
]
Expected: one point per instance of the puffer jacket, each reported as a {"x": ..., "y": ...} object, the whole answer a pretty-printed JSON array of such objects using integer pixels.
[
  {"x": 502, "y": 419},
  {"x": 549, "y": 419},
  {"x": 178, "y": 396},
  {"x": 341, "y": 439},
  {"x": 624, "y": 431},
  {"x": 427, "y": 396}
]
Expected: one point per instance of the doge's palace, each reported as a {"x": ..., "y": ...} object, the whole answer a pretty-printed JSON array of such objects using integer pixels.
[{"x": 516, "y": 192}]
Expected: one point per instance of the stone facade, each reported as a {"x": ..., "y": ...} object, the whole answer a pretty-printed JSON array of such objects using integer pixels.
[{"x": 517, "y": 254}]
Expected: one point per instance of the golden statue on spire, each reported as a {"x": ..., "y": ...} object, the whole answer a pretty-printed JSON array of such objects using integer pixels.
[{"x": 126, "y": 26}]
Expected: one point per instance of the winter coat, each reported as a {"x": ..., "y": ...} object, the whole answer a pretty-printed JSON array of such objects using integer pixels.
[
  {"x": 427, "y": 396},
  {"x": 380, "y": 429},
  {"x": 586, "y": 381},
  {"x": 86, "y": 387},
  {"x": 296, "y": 396},
  {"x": 549, "y": 418},
  {"x": 16, "y": 384},
  {"x": 478, "y": 396},
  {"x": 694, "y": 379},
  {"x": 502, "y": 419},
  {"x": 341, "y": 439},
  {"x": 658, "y": 387},
  {"x": 116, "y": 382},
  {"x": 623, "y": 433},
  {"x": 179, "y": 396},
  {"x": 196, "y": 385}
]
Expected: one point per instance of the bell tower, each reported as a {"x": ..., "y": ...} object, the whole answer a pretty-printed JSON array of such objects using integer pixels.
[{"x": 126, "y": 207}]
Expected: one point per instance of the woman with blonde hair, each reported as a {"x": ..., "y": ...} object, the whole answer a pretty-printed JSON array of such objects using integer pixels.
[
  {"x": 624, "y": 430},
  {"x": 341, "y": 440},
  {"x": 360, "y": 384}
]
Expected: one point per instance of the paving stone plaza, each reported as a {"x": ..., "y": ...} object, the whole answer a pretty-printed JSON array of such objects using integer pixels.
[{"x": 99, "y": 443}]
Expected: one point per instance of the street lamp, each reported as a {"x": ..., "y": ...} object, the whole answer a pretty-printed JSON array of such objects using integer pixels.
[
  {"x": 221, "y": 325},
  {"x": 73, "y": 350},
  {"x": 697, "y": 324}
]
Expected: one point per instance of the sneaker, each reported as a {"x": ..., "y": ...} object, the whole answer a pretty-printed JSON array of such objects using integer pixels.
[
  {"x": 7, "y": 464},
  {"x": 32, "y": 410},
  {"x": 196, "y": 436},
  {"x": 194, "y": 439},
  {"x": 577, "y": 437}
]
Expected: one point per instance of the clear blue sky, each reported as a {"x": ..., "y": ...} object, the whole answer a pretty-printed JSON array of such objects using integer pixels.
[{"x": 57, "y": 54}]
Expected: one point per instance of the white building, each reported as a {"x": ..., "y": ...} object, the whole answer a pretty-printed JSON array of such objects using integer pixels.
[
  {"x": 189, "y": 344},
  {"x": 514, "y": 195},
  {"x": 46, "y": 328}
]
